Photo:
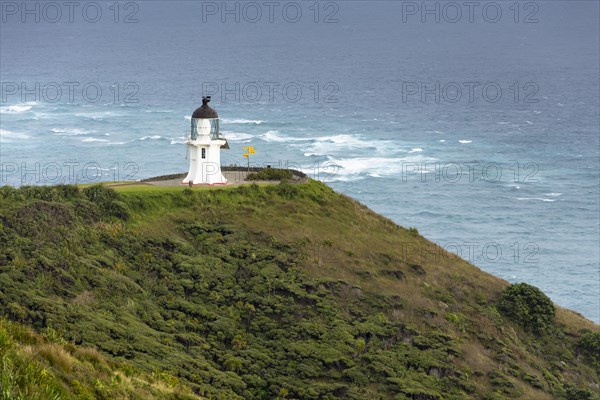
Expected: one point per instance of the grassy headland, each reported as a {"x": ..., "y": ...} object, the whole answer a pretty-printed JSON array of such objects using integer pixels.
[{"x": 287, "y": 291}]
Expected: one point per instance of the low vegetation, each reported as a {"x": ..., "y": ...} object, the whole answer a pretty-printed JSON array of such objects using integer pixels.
[
  {"x": 270, "y": 174},
  {"x": 45, "y": 366},
  {"x": 287, "y": 291},
  {"x": 529, "y": 307}
]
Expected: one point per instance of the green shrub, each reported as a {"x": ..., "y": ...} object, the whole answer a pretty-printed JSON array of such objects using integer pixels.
[
  {"x": 107, "y": 200},
  {"x": 86, "y": 210},
  {"x": 589, "y": 345},
  {"x": 100, "y": 194},
  {"x": 68, "y": 191},
  {"x": 503, "y": 383},
  {"x": 287, "y": 190},
  {"x": 356, "y": 376},
  {"x": 118, "y": 209},
  {"x": 528, "y": 306},
  {"x": 414, "y": 232},
  {"x": 9, "y": 192},
  {"x": 270, "y": 174},
  {"x": 574, "y": 393}
]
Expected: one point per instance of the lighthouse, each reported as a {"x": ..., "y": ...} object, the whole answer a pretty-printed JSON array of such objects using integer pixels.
[{"x": 204, "y": 147}]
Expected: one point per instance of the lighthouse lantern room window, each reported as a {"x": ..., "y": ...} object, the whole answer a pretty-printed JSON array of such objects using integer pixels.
[
  {"x": 204, "y": 145},
  {"x": 197, "y": 125}
]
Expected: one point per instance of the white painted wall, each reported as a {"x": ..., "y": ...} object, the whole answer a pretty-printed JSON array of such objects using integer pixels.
[{"x": 205, "y": 171}]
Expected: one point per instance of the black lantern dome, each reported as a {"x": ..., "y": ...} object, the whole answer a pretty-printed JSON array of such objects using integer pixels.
[{"x": 205, "y": 111}]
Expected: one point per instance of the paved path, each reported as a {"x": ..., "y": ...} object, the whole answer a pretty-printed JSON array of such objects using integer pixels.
[{"x": 233, "y": 178}]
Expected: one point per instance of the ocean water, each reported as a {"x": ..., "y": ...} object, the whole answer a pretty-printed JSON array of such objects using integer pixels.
[{"x": 478, "y": 127}]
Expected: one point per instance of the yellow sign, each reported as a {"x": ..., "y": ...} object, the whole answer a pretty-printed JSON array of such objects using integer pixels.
[{"x": 250, "y": 150}]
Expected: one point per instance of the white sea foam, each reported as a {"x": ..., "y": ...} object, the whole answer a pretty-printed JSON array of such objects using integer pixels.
[
  {"x": 346, "y": 140},
  {"x": 327, "y": 145},
  {"x": 465, "y": 141},
  {"x": 553, "y": 194},
  {"x": 96, "y": 116},
  {"x": 16, "y": 108},
  {"x": 346, "y": 178},
  {"x": 103, "y": 141},
  {"x": 237, "y": 136},
  {"x": 69, "y": 131},
  {"x": 153, "y": 137},
  {"x": 339, "y": 144},
  {"x": 361, "y": 165},
  {"x": 355, "y": 141},
  {"x": 351, "y": 169},
  {"x": 91, "y": 139},
  {"x": 242, "y": 121},
  {"x": 536, "y": 198},
  {"x": 10, "y": 135},
  {"x": 274, "y": 136},
  {"x": 442, "y": 141}
]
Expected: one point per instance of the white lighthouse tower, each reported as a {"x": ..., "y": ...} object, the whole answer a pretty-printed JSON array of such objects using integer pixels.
[{"x": 204, "y": 147}]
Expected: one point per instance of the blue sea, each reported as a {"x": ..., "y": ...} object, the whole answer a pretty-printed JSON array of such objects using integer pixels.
[{"x": 477, "y": 125}]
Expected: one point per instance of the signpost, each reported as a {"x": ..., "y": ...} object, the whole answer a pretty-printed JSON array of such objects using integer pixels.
[{"x": 249, "y": 150}]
